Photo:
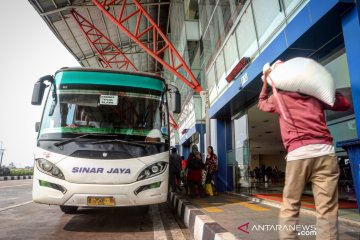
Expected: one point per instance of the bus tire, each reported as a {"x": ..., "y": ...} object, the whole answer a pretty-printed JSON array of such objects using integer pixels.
[{"x": 68, "y": 209}]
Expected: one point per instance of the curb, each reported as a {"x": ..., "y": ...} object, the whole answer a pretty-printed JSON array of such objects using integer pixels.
[
  {"x": 7, "y": 178},
  {"x": 302, "y": 210},
  {"x": 201, "y": 226}
]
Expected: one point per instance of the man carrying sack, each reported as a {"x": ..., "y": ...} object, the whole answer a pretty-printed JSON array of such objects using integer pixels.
[{"x": 310, "y": 158}]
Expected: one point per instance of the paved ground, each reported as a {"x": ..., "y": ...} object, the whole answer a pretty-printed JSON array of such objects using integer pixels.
[
  {"x": 22, "y": 219},
  {"x": 14, "y": 192},
  {"x": 277, "y": 188},
  {"x": 233, "y": 212}
]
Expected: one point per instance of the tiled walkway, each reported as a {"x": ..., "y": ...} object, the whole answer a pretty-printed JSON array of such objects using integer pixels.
[{"x": 239, "y": 216}]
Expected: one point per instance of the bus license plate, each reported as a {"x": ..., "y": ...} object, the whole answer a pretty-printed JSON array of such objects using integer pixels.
[{"x": 101, "y": 201}]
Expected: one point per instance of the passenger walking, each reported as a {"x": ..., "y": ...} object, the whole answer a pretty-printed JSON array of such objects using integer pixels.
[
  {"x": 310, "y": 158},
  {"x": 257, "y": 174},
  {"x": 211, "y": 166},
  {"x": 247, "y": 174},
  {"x": 195, "y": 166},
  {"x": 184, "y": 174},
  {"x": 268, "y": 173},
  {"x": 183, "y": 163},
  {"x": 175, "y": 169},
  {"x": 275, "y": 175},
  {"x": 252, "y": 175},
  {"x": 263, "y": 173}
]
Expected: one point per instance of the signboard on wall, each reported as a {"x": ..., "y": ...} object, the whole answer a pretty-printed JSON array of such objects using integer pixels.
[
  {"x": 238, "y": 68},
  {"x": 193, "y": 112},
  {"x": 244, "y": 78}
]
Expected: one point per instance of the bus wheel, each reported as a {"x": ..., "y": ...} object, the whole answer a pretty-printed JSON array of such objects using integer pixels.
[{"x": 68, "y": 209}]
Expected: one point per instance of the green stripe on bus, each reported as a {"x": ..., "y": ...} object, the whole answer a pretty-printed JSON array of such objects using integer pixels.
[
  {"x": 126, "y": 131},
  {"x": 108, "y": 78}
]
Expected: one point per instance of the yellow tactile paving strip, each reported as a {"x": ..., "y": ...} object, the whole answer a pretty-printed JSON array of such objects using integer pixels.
[
  {"x": 252, "y": 206},
  {"x": 207, "y": 206},
  {"x": 213, "y": 207}
]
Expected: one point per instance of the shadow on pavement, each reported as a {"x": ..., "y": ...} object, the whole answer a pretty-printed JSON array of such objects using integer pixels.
[{"x": 121, "y": 219}]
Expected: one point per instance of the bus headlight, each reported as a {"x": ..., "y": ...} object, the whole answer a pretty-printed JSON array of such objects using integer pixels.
[
  {"x": 153, "y": 170},
  {"x": 49, "y": 168}
]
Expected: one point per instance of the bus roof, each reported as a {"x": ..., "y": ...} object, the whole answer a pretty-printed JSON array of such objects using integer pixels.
[
  {"x": 100, "y": 76},
  {"x": 88, "y": 69}
]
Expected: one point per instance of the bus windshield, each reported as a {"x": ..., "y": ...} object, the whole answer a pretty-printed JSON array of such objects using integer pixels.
[{"x": 131, "y": 115}]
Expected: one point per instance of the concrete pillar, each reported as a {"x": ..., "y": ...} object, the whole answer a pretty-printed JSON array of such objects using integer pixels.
[
  {"x": 224, "y": 143},
  {"x": 202, "y": 129},
  {"x": 185, "y": 151}
]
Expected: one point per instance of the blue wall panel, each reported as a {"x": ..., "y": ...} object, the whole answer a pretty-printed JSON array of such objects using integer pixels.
[
  {"x": 185, "y": 152},
  {"x": 228, "y": 145},
  {"x": 351, "y": 32},
  {"x": 224, "y": 142},
  {"x": 301, "y": 23},
  {"x": 221, "y": 151},
  {"x": 318, "y": 8}
]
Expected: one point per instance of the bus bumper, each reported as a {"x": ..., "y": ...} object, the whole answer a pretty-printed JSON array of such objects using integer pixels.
[{"x": 54, "y": 191}]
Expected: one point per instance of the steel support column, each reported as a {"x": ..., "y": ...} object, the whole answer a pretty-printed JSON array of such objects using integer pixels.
[
  {"x": 109, "y": 53},
  {"x": 173, "y": 124}
]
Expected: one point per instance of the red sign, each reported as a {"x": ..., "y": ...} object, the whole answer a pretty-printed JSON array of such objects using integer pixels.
[
  {"x": 244, "y": 228},
  {"x": 238, "y": 68}
]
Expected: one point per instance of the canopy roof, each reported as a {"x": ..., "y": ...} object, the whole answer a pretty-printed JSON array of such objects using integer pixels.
[{"x": 57, "y": 15}]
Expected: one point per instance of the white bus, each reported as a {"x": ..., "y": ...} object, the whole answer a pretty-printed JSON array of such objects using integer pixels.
[{"x": 103, "y": 140}]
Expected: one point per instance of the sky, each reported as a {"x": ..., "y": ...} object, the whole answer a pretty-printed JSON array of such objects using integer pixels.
[{"x": 28, "y": 51}]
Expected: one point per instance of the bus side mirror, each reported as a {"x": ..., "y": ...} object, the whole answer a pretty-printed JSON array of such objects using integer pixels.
[
  {"x": 37, "y": 126},
  {"x": 39, "y": 89},
  {"x": 176, "y": 102},
  {"x": 38, "y": 93}
]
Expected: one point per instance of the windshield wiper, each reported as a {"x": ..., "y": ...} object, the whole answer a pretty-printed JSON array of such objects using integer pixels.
[
  {"x": 58, "y": 144},
  {"x": 120, "y": 141}
]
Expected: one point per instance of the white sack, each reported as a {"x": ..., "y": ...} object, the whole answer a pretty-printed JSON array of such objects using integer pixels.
[{"x": 306, "y": 76}]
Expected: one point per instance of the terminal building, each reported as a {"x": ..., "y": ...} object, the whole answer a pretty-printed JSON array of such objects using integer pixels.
[
  {"x": 226, "y": 43},
  {"x": 235, "y": 39}
]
